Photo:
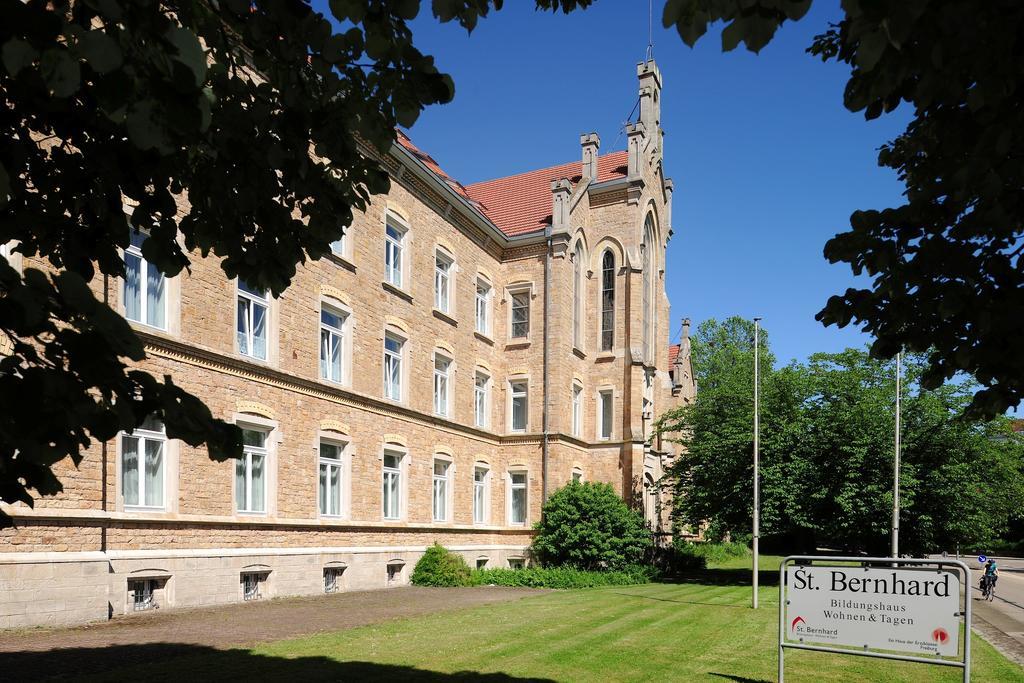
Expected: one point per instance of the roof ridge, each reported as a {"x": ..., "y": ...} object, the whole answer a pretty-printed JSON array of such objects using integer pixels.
[{"x": 546, "y": 168}]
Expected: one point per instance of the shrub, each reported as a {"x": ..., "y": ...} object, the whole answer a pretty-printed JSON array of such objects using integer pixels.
[
  {"x": 712, "y": 553},
  {"x": 563, "y": 577},
  {"x": 438, "y": 567},
  {"x": 678, "y": 560},
  {"x": 587, "y": 525}
]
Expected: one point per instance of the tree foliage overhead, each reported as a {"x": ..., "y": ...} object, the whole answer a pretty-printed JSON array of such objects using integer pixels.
[
  {"x": 827, "y": 446},
  {"x": 947, "y": 265},
  {"x": 228, "y": 128}
]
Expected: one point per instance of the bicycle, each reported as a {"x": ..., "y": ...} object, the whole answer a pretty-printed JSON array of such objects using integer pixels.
[{"x": 988, "y": 588}]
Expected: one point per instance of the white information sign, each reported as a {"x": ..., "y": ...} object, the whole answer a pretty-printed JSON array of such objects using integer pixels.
[{"x": 904, "y": 610}]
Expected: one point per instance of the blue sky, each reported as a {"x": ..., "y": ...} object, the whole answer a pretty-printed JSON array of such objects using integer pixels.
[{"x": 767, "y": 162}]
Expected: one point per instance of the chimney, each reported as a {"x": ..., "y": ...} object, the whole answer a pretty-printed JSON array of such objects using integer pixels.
[
  {"x": 560, "y": 205},
  {"x": 590, "y": 142},
  {"x": 634, "y": 143},
  {"x": 650, "y": 96}
]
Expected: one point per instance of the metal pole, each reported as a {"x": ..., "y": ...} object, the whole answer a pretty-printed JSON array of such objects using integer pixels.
[
  {"x": 896, "y": 467},
  {"x": 757, "y": 452},
  {"x": 967, "y": 623},
  {"x": 782, "y": 619}
]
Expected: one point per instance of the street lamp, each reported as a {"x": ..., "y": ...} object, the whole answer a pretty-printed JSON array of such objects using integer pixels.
[
  {"x": 757, "y": 451},
  {"x": 896, "y": 466}
]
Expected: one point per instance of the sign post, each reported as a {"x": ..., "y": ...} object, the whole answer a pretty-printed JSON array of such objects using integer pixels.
[{"x": 908, "y": 610}]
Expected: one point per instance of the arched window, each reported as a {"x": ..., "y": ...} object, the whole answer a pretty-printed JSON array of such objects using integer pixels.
[
  {"x": 607, "y": 300},
  {"x": 577, "y": 296},
  {"x": 647, "y": 263}
]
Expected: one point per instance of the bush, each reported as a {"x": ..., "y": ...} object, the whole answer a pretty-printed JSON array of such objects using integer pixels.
[
  {"x": 678, "y": 560},
  {"x": 712, "y": 553},
  {"x": 563, "y": 577},
  {"x": 588, "y": 526},
  {"x": 438, "y": 567}
]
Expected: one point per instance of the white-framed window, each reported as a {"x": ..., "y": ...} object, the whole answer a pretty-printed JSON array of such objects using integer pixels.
[
  {"x": 339, "y": 247},
  {"x": 483, "y": 306},
  {"x": 481, "y": 502},
  {"x": 332, "y": 476},
  {"x": 577, "y": 409},
  {"x": 607, "y": 300},
  {"x": 442, "y": 384},
  {"x": 251, "y": 472},
  {"x": 605, "y": 412},
  {"x": 519, "y": 402},
  {"x": 481, "y": 399},
  {"x": 518, "y": 498},
  {"x": 332, "y": 579},
  {"x": 481, "y": 563},
  {"x": 332, "y": 343},
  {"x": 392, "y": 484},
  {"x": 143, "y": 466},
  {"x": 145, "y": 289},
  {"x": 443, "y": 266},
  {"x": 577, "y": 296},
  {"x": 577, "y": 475},
  {"x": 253, "y": 314},
  {"x": 394, "y": 251},
  {"x": 394, "y": 347},
  {"x": 520, "y": 324},
  {"x": 440, "y": 492}
]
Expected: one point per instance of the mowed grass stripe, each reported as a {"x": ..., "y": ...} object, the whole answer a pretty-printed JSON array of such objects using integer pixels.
[{"x": 663, "y": 632}]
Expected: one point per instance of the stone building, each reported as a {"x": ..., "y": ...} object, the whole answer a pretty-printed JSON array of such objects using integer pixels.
[{"x": 465, "y": 351}]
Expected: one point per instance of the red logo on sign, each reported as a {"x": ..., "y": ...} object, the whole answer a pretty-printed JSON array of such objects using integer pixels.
[
  {"x": 798, "y": 620},
  {"x": 940, "y": 636}
]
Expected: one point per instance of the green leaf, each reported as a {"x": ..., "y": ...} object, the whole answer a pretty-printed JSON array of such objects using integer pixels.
[
  {"x": 100, "y": 50},
  {"x": 60, "y": 71},
  {"x": 17, "y": 54},
  {"x": 189, "y": 52}
]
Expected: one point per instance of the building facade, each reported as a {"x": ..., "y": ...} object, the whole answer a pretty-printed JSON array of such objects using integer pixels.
[{"x": 462, "y": 353}]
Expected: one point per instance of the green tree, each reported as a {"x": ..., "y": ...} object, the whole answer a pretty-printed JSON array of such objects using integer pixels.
[
  {"x": 947, "y": 265},
  {"x": 588, "y": 526},
  {"x": 246, "y": 130},
  {"x": 828, "y": 428}
]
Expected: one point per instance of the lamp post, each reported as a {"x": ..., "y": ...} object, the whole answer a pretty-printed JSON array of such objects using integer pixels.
[
  {"x": 757, "y": 451},
  {"x": 896, "y": 466}
]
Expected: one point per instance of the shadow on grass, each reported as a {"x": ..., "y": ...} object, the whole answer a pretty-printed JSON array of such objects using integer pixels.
[
  {"x": 180, "y": 661},
  {"x": 738, "y": 679},
  {"x": 727, "y": 577}
]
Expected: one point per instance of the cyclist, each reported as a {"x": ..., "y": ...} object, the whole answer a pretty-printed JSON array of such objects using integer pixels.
[{"x": 990, "y": 577}]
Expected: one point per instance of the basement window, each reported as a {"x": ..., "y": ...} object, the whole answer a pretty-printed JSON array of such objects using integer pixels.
[
  {"x": 516, "y": 563},
  {"x": 395, "y": 572},
  {"x": 332, "y": 579},
  {"x": 481, "y": 563},
  {"x": 142, "y": 594},
  {"x": 252, "y": 585}
]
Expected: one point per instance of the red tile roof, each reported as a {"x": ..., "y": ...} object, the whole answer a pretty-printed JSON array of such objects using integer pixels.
[
  {"x": 673, "y": 352},
  {"x": 521, "y": 203},
  {"x": 429, "y": 162}
]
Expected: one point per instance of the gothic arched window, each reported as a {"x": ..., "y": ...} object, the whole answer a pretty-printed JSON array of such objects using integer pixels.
[
  {"x": 647, "y": 267},
  {"x": 577, "y": 296},
  {"x": 607, "y": 300}
]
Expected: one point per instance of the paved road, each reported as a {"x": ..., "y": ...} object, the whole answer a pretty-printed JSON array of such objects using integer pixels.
[{"x": 1002, "y": 620}]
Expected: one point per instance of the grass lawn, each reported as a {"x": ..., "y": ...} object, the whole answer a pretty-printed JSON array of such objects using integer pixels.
[{"x": 685, "y": 632}]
